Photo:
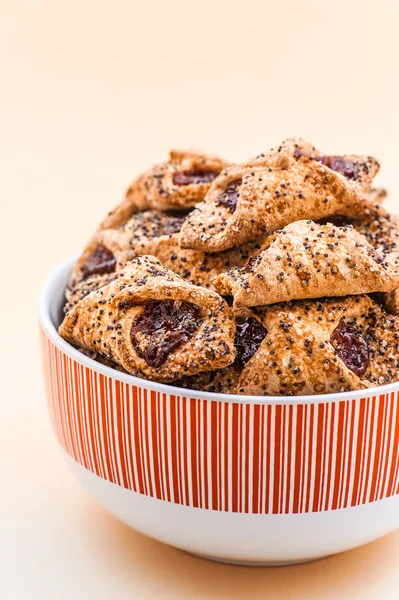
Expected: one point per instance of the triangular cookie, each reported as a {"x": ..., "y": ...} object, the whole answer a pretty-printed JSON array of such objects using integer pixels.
[
  {"x": 152, "y": 233},
  {"x": 154, "y": 324},
  {"x": 178, "y": 183},
  {"x": 381, "y": 229},
  {"x": 323, "y": 346},
  {"x": 273, "y": 190},
  {"x": 306, "y": 260}
]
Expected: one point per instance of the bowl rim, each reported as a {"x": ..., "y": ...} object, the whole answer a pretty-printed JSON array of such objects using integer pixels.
[{"x": 49, "y": 292}]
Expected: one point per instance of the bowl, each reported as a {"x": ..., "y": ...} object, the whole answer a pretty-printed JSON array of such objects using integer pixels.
[{"x": 242, "y": 479}]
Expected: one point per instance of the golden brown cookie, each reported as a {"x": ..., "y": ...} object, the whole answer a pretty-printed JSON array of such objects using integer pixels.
[
  {"x": 110, "y": 249},
  {"x": 152, "y": 233},
  {"x": 306, "y": 260},
  {"x": 323, "y": 346},
  {"x": 200, "y": 268},
  {"x": 381, "y": 229},
  {"x": 177, "y": 184},
  {"x": 272, "y": 191},
  {"x": 154, "y": 324},
  {"x": 101, "y": 359},
  {"x": 83, "y": 288},
  {"x": 249, "y": 335}
]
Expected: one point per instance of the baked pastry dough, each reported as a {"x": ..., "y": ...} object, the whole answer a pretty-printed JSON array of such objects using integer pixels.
[
  {"x": 381, "y": 229},
  {"x": 325, "y": 346},
  {"x": 152, "y": 233},
  {"x": 249, "y": 335},
  {"x": 101, "y": 359},
  {"x": 222, "y": 381},
  {"x": 200, "y": 268},
  {"x": 154, "y": 324},
  {"x": 84, "y": 288},
  {"x": 377, "y": 196},
  {"x": 179, "y": 183},
  {"x": 308, "y": 296},
  {"x": 306, "y": 260},
  {"x": 110, "y": 249},
  {"x": 291, "y": 183}
]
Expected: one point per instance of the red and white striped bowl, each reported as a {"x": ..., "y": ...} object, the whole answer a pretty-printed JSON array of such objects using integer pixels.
[{"x": 236, "y": 478}]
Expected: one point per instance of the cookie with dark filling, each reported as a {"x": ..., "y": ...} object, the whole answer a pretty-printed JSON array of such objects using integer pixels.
[
  {"x": 154, "y": 324},
  {"x": 290, "y": 183},
  {"x": 148, "y": 233},
  {"x": 110, "y": 249},
  {"x": 176, "y": 184},
  {"x": 323, "y": 346},
  {"x": 306, "y": 260},
  {"x": 250, "y": 333}
]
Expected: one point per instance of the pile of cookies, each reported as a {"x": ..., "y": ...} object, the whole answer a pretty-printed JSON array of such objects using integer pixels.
[{"x": 279, "y": 276}]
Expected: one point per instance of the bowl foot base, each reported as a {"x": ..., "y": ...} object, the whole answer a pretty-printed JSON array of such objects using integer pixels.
[{"x": 250, "y": 563}]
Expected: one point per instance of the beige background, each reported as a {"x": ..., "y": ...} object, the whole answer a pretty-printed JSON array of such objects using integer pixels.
[{"x": 91, "y": 92}]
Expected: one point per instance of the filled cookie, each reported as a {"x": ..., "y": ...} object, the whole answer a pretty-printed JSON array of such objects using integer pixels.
[
  {"x": 149, "y": 233},
  {"x": 323, "y": 346},
  {"x": 176, "y": 184},
  {"x": 153, "y": 323},
  {"x": 381, "y": 229},
  {"x": 306, "y": 260},
  {"x": 277, "y": 276},
  {"x": 272, "y": 191}
]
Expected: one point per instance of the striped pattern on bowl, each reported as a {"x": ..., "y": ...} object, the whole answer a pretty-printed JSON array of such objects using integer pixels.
[{"x": 242, "y": 457}]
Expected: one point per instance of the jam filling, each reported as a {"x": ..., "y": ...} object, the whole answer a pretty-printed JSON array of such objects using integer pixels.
[
  {"x": 162, "y": 327},
  {"x": 336, "y": 163},
  {"x": 351, "y": 347},
  {"x": 230, "y": 196},
  {"x": 173, "y": 225},
  {"x": 249, "y": 336},
  {"x": 340, "y": 165},
  {"x": 194, "y": 177},
  {"x": 252, "y": 263},
  {"x": 99, "y": 262}
]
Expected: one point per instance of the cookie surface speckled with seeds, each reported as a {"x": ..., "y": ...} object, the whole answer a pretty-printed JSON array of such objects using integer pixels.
[
  {"x": 287, "y": 185},
  {"x": 306, "y": 260},
  {"x": 149, "y": 233},
  {"x": 250, "y": 333},
  {"x": 154, "y": 324},
  {"x": 323, "y": 346},
  {"x": 176, "y": 184},
  {"x": 110, "y": 249},
  {"x": 381, "y": 229}
]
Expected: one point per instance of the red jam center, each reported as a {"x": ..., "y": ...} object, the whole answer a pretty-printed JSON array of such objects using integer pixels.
[
  {"x": 99, "y": 262},
  {"x": 351, "y": 347},
  {"x": 230, "y": 196},
  {"x": 162, "y": 327},
  {"x": 336, "y": 163},
  {"x": 252, "y": 263},
  {"x": 249, "y": 336},
  {"x": 194, "y": 177},
  {"x": 173, "y": 225},
  {"x": 340, "y": 165}
]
